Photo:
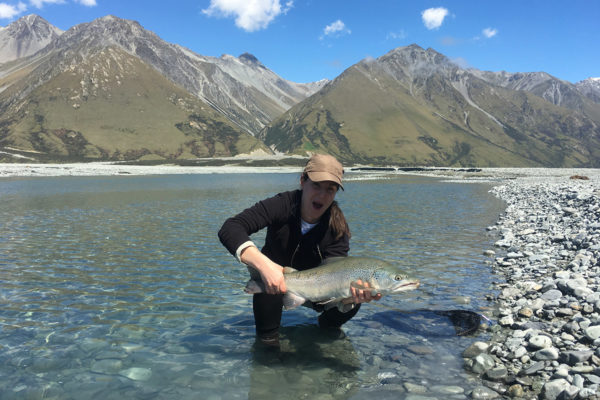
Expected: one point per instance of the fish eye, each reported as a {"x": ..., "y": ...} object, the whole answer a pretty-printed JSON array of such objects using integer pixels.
[{"x": 398, "y": 278}]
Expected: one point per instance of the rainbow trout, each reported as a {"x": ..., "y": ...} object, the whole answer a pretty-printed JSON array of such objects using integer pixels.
[{"x": 330, "y": 283}]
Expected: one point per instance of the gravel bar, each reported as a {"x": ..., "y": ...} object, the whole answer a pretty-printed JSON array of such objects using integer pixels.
[{"x": 546, "y": 341}]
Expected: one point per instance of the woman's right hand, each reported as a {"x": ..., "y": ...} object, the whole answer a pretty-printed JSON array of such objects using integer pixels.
[
  {"x": 273, "y": 279},
  {"x": 271, "y": 273}
]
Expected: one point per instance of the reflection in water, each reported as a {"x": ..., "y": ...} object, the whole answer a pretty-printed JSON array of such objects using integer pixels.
[
  {"x": 117, "y": 287},
  {"x": 310, "y": 361}
]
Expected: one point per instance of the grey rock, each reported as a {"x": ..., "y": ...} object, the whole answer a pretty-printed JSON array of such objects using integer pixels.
[
  {"x": 475, "y": 349},
  {"x": 481, "y": 363},
  {"x": 575, "y": 356},
  {"x": 592, "y": 332},
  {"x": 482, "y": 393},
  {"x": 552, "y": 294},
  {"x": 497, "y": 373},
  {"x": 546, "y": 354},
  {"x": 554, "y": 388},
  {"x": 540, "y": 342},
  {"x": 534, "y": 368}
]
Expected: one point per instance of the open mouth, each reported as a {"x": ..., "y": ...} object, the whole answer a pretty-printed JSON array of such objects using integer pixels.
[
  {"x": 407, "y": 286},
  {"x": 317, "y": 206}
]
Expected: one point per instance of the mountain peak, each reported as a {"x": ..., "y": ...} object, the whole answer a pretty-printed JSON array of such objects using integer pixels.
[
  {"x": 26, "y": 36},
  {"x": 250, "y": 59}
]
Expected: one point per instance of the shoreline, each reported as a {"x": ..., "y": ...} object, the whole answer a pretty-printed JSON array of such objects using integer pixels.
[
  {"x": 232, "y": 165},
  {"x": 546, "y": 343}
]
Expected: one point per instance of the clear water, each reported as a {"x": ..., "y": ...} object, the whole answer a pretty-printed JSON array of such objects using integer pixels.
[{"x": 117, "y": 287}]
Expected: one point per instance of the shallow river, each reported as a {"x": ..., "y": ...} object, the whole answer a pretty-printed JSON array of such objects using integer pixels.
[{"x": 117, "y": 287}]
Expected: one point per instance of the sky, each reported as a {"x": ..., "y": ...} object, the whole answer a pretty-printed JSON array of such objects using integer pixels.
[{"x": 309, "y": 40}]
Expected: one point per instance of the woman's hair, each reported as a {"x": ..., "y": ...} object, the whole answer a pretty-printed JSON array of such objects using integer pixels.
[{"x": 337, "y": 221}]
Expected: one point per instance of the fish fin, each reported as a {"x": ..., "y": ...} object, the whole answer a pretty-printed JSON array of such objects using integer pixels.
[
  {"x": 253, "y": 287},
  {"x": 291, "y": 300},
  {"x": 328, "y": 301},
  {"x": 287, "y": 270},
  {"x": 254, "y": 274}
]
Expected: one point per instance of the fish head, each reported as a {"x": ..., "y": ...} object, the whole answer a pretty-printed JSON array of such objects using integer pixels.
[{"x": 390, "y": 280}]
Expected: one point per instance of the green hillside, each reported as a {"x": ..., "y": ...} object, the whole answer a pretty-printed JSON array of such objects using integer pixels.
[
  {"x": 371, "y": 115},
  {"x": 112, "y": 106}
]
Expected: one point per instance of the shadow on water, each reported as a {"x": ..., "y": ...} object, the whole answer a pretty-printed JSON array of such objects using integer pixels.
[
  {"x": 432, "y": 323},
  {"x": 309, "y": 362}
]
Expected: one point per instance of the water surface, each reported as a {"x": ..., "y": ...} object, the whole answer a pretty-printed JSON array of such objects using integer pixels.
[{"x": 117, "y": 287}]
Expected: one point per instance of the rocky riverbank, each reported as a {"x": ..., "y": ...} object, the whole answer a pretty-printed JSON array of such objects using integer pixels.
[{"x": 546, "y": 342}]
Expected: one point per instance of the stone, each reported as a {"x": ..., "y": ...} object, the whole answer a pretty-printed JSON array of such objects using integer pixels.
[
  {"x": 136, "y": 373},
  {"x": 525, "y": 312},
  {"x": 483, "y": 393},
  {"x": 552, "y": 294},
  {"x": 482, "y": 363},
  {"x": 497, "y": 373},
  {"x": 540, "y": 342},
  {"x": 546, "y": 354},
  {"x": 574, "y": 357},
  {"x": 592, "y": 332},
  {"x": 516, "y": 390},
  {"x": 534, "y": 368},
  {"x": 554, "y": 388},
  {"x": 413, "y": 388},
  {"x": 475, "y": 349}
]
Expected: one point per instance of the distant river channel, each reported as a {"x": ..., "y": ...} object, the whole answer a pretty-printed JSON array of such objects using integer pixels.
[{"x": 118, "y": 288}]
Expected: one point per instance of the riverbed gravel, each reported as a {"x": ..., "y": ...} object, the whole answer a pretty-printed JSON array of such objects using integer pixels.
[{"x": 547, "y": 252}]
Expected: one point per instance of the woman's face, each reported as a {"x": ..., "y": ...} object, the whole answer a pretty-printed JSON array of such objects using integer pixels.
[{"x": 316, "y": 198}]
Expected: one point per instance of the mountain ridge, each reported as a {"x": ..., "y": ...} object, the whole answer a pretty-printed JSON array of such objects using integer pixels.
[
  {"x": 417, "y": 107},
  {"x": 408, "y": 106}
]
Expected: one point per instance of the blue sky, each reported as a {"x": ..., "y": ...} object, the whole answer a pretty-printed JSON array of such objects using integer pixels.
[{"x": 307, "y": 40}]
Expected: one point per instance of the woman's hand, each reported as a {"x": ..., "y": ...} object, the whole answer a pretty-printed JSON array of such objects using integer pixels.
[
  {"x": 271, "y": 273},
  {"x": 362, "y": 295}
]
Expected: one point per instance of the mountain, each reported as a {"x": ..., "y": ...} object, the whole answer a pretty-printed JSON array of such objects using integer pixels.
[
  {"x": 551, "y": 89},
  {"x": 590, "y": 88},
  {"x": 414, "y": 107},
  {"x": 125, "y": 94},
  {"x": 25, "y": 36}
]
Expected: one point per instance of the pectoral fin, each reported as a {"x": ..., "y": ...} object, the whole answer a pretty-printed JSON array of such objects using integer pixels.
[{"x": 291, "y": 300}]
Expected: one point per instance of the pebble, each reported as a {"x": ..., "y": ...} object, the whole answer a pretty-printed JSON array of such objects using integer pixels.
[
  {"x": 136, "y": 373},
  {"x": 547, "y": 341}
]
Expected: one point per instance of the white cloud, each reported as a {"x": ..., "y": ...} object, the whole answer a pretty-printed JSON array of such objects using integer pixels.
[
  {"x": 250, "y": 15},
  {"x": 40, "y": 3},
  {"x": 336, "y": 28},
  {"x": 8, "y": 11},
  {"x": 434, "y": 17},
  {"x": 490, "y": 32}
]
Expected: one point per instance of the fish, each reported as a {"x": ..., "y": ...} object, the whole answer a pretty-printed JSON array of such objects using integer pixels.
[{"x": 330, "y": 283}]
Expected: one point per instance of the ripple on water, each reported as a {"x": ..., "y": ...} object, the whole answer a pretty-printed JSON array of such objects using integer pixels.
[{"x": 118, "y": 288}]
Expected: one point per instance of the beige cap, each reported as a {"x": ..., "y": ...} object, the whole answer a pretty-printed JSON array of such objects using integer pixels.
[{"x": 323, "y": 167}]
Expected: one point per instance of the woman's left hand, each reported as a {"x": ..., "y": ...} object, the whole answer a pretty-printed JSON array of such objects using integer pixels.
[{"x": 362, "y": 295}]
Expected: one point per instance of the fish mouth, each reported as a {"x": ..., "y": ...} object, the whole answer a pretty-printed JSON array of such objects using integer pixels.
[{"x": 407, "y": 285}]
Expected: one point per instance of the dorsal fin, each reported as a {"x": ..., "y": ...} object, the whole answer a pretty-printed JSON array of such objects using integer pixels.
[{"x": 287, "y": 270}]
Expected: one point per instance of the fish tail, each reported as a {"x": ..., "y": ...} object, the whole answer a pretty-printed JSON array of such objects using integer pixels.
[{"x": 253, "y": 287}]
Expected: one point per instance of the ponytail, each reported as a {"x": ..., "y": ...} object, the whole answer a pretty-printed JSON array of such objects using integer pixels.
[{"x": 337, "y": 222}]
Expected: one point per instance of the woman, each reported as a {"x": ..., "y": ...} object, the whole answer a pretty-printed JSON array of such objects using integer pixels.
[{"x": 304, "y": 227}]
